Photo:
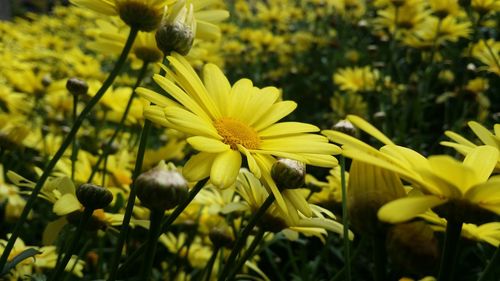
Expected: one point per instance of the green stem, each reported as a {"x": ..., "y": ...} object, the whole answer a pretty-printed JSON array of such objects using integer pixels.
[
  {"x": 210, "y": 265},
  {"x": 121, "y": 124},
  {"x": 104, "y": 169},
  {"x": 87, "y": 214},
  {"x": 490, "y": 268},
  {"x": 67, "y": 141},
  {"x": 131, "y": 201},
  {"x": 345, "y": 220},
  {"x": 248, "y": 254},
  {"x": 165, "y": 225},
  {"x": 80, "y": 255},
  {"x": 242, "y": 238},
  {"x": 340, "y": 274},
  {"x": 154, "y": 232},
  {"x": 74, "y": 150},
  {"x": 450, "y": 251},
  {"x": 379, "y": 257}
]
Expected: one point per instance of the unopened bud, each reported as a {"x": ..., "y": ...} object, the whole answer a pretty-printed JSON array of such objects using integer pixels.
[
  {"x": 345, "y": 127},
  {"x": 93, "y": 196},
  {"x": 288, "y": 173},
  {"x": 272, "y": 223},
  {"x": 46, "y": 80},
  {"x": 77, "y": 86},
  {"x": 174, "y": 37},
  {"x": 161, "y": 189},
  {"x": 110, "y": 149},
  {"x": 221, "y": 237}
]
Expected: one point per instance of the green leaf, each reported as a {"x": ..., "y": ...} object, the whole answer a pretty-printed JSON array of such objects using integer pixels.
[{"x": 28, "y": 253}]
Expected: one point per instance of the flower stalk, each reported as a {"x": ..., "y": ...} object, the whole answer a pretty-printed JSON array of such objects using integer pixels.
[
  {"x": 345, "y": 219},
  {"x": 166, "y": 223},
  {"x": 87, "y": 214},
  {"x": 450, "y": 251},
  {"x": 131, "y": 200},
  {"x": 242, "y": 238},
  {"x": 154, "y": 232}
]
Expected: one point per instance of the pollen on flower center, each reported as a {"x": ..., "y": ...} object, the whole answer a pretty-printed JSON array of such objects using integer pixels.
[{"x": 235, "y": 132}]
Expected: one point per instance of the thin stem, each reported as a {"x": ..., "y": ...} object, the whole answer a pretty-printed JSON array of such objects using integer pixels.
[
  {"x": 165, "y": 225},
  {"x": 242, "y": 238},
  {"x": 210, "y": 265},
  {"x": 154, "y": 232},
  {"x": 74, "y": 149},
  {"x": 248, "y": 254},
  {"x": 104, "y": 169},
  {"x": 121, "y": 124},
  {"x": 379, "y": 257},
  {"x": 80, "y": 255},
  {"x": 87, "y": 214},
  {"x": 490, "y": 268},
  {"x": 345, "y": 220},
  {"x": 340, "y": 274},
  {"x": 67, "y": 141},
  {"x": 131, "y": 200},
  {"x": 449, "y": 256}
]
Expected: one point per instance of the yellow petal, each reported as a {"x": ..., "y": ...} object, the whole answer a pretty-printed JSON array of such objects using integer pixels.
[
  {"x": 482, "y": 160},
  {"x": 252, "y": 165},
  {"x": 404, "y": 209},
  {"x": 368, "y": 128},
  {"x": 459, "y": 139},
  {"x": 198, "y": 166},
  {"x": 66, "y": 204},
  {"x": 482, "y": 133},
  {"x": 287, "y": 128},
  {"x": 207, "y": 144},
  {"x": 486, "y": 195},
  {"x": 217, "y": 85},
  {"x": 190, "y": 123},
  {"x": 274, "y": 114},
  {"x": 155, "y": 97},
  {"x": 298, "y": 201},
  {"x": 225, "y": 168}
]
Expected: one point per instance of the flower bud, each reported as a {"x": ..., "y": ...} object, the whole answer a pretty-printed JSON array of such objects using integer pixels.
[
  {"x": 288, "y": 173},
  {"x": 110, "y": 149},
  {"x": 93, "y": 196},
  {"x": 161, "y": 189},
  {"x": 77, "y": 86},
  {"x": 174, "y": 37},
  {"x": 46, "y": 80},
  {"x": 345, "y": 127},
  {"x": 221, "y": 237},
  {"x": 176, "y": 33},
  {"x": 272, "y": 223}
]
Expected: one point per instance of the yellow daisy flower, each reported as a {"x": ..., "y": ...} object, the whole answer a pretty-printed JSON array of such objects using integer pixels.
[
  {"x": 488, "y": 52},
  {"x": 443, "y": 8},
  {"x": 145, "y": 15},
  {"x": 463, "y": 190},
  {"x": 464, "y": 146},
  {"x": 485, "y": 6},
  {"x": 225, "y": 121},
  {"x": 356, "y": 79}
]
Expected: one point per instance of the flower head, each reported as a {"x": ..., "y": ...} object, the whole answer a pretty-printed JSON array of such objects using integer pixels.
[
  {"x": 145, "y": 15},
  {"x": 224, "y": 122}
]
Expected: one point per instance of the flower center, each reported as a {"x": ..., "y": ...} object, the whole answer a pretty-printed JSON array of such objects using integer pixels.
[{"x": 235, "y": 132}]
